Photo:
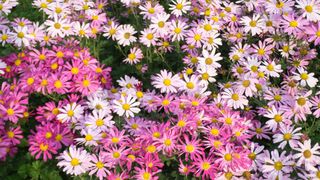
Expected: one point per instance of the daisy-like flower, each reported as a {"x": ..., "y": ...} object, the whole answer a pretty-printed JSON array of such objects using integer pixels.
[
  {"x": 20, "y": 36},
  {"x": 210, "y": 59},
  {"x": 58, "y": 26},
  {"x": 74, "y": 161},
  {"x": 180, "y": 6},
  {"x": 134, "y": 56},
  {"x": 91, "y": 137},
  {"x": 271, "y": 68},
  {"x": 81, "y": 29},
  {"x": 148, "y": 37},
  {"x": 287, "y": 135},
  {"x": 126, "y": 105},
  {"x": 100, "y": 120},
  {"x": 254, "y": 24},
  {"x": 305, "y": 78},
  {"x": 307, "y": 155},
  {"x": 178, "y": 30},
  {"x": 310, "y": 9},
  {"x": 190, "y": 84},
  {"x": 98, "y": 103},
  {"x": 234, "y": 99},
  {"x": 125, "y": 35},
  {"x": 276, "y": 119},
  {"x": 98, "y": 166},
  {"x": 159, "y": 23},
  {"x": 276, "y": 165},
  {"x": 313, "y": 31},
  {"x": 70, "y": 112},
  {"x": 166, "y": 82}
]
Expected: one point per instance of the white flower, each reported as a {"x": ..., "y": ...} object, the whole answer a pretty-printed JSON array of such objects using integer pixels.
[
  {"x": 309, "y": 9},
  {"x": 58, "y": 27},
  {"x": 234, "y": 99},
  {"x": 166, "y": 82},
  {"x": 125, "y": 34},
  {"x": 305, "y": 78},
  {"x": 127, "y": 105},
  {"x": 306, "y": 155},
  {"x": 3, "y": 65},
  {"x": 287, "y": 135},
  {"x": 271, "y": 69},
  {"x": 254, "y": 24},
  {"x": 71, "y": 112},
  {"x": 91, "y": 136},
  {"x": 97, "y": 103},
  {"x": 100, "y": 120},
  {"x": 210, "y": 59},
  {"x": 20, "y": 36},
  {"x": 75, "y": 161},
  {"x": 179, "y": 7},
  {"x": 277, "y": 165}
]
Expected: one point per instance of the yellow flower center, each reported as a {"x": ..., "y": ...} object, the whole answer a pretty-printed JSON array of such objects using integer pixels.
[
  {"x": 214, "y": 132},
  {"x": 308, "y": 8},
  {"x": 197, "y": 37},
  {"x": 270, "y": 67},
  {"x": 116, "y": 155},
  {"x": 75, "y": 70},
  {"x": 57, "y": 25},
  {"x": 10, "y": 112},
  {"x": 181, "y": 123},
  {"x": 189, "y": 148},
  {"x": 99, "y": 165},
  {"x": 208, "y": 61},
  {"x": 70, "y": 113},
  {"x": 252, "y": 156},
  {"x": 261, "y": 52},
  {"x": 99, "y": 122},
  {"x": 132, "y": 56},
  {"x": 10, "y": 134},
  {"x": 161, "y": 24},
  {"x": 206, "y": 166},
  {"x": 307, "y": 154},
  {"x": 235, "y": 97},
  {"x": 151, "y": 10},
  {"x": 167, "y": 142},
  {"x": 228, "y": 157},
  {"x": 165, "y": 102},
  {"x": 149, "y": 36},
  {"x": 287, "y": 136},
  {"x": 190, "y": 85},
  {"x": 167, "y": 82},
  {"x": 127, "y": 35},
  {"x": 74, "y": 162},
  {"x": 146, "y": 176},
  {"x": 134, "y": 126},
  {"x": 151, "y": 149},
  {"x": 293, "y": 24},
  {"x": 179, "y": 6},
  {"x": 86, "y": 83},
  {"x": 43, "y": 147},
  {"x": 177, "y": 30},
  {"x": 156, "y": 134},
  {"x": 58, "y": 137},
  {"x": 246, "y": 83},
  {"x": 278, "y": 165},
  {"x": 126, "y": 107},
  {"x": 277, "y": 118},
  {"x": 48, "y": 135},
  {"x": 301, "y": 101},
  {"x": 304, "y": 76},
  {"x": 253, "y": 23}
]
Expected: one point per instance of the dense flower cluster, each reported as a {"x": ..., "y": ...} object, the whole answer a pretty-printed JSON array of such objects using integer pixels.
[{"x": 238, "y": 109}]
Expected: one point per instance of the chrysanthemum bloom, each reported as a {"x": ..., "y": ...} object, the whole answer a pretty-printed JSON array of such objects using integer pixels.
[
  {"x": 277, "y": 165},
  {"x": 98, "y": 166},
  {"x": 287, "y": 135},
  {"x": 70, "y": 112},
  {"x": 126, "y": 105},
  {"x": 305, "y": 78},
  {"x": 125, "y": 35},
  {"x": 166, "y": 82},
  {"x": 309, "y": 156},
  {"x": 134, "y": 56},
  {"x": 74, "y": 161},
  {"x": 43, "y": 149}
]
